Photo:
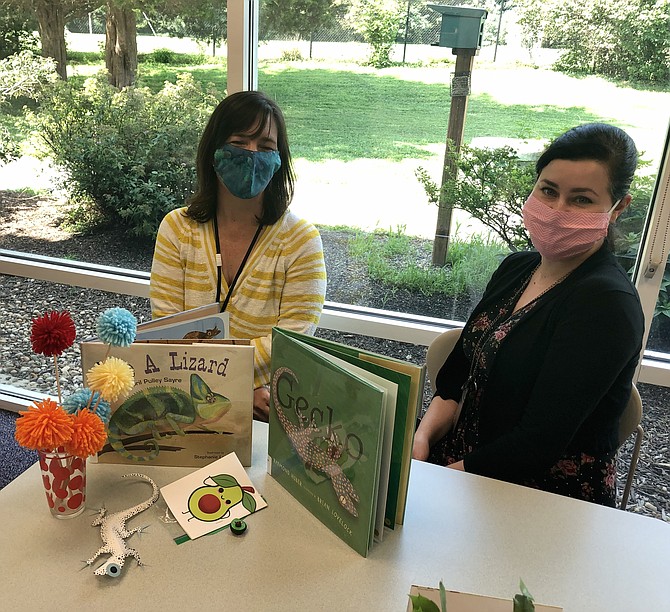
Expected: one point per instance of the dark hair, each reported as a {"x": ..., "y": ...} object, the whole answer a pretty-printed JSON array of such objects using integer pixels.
[
  {"x": 600, "y": 142},
  {"x": 242, "y": 112}
]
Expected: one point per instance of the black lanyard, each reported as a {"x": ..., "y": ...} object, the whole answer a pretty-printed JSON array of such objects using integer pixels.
[{"x": 220, "y": 264}]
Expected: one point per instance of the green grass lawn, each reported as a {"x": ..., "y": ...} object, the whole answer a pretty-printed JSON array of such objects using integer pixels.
[{"x": 344, "y": 111}]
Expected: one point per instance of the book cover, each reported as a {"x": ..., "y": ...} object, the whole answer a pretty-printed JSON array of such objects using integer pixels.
[
  {"x": 199, "y": 328},
  {"x": 410, "y": 379},
  {"x": 192, "y": 402},
  {"x": 330, "y": 437},
  {"x": 212, "y": 497}
]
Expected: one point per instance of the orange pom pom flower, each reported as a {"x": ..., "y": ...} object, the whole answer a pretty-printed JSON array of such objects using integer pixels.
[
  {"x": 88, "y": 436},
  {"x": 44, "y": 426},
  {"x": 52, "y": 333}
]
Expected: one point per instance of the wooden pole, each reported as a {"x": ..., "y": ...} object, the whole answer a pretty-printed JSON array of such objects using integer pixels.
[{"x": 460, "y": 91}]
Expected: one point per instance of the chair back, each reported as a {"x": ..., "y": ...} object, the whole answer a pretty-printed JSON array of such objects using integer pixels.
[
  {"x": 438, "y": 351},
  {"x": 631, "y": 417}
]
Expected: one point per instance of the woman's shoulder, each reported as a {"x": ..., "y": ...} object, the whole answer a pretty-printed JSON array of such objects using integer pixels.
[
  {"x": 290, "y": 225},
  {"x": 178, "y": 222}
]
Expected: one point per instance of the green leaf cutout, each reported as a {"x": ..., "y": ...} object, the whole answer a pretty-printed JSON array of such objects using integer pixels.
[
  {"x": 523, "y": 602},
  {"x": 423, "y": 604},
  {"x": 248, "y": 501},
  {"x": 225, "y": 480}
]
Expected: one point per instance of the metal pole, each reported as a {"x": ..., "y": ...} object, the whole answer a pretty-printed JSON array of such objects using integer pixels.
[{"x": 404, "y": 47}]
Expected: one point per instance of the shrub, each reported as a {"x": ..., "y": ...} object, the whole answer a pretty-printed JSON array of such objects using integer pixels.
[
  {"x": 9, "y": 148},
  {"x": 25, "y": 74},
  {"x": 404, "y": 262},
  {"x": 16, "y": 31},
  {"x": 491, "y": 185},
  {"x": 291, "y": 55},
  {"x": 129, "y": 152},
  {"x": 162, "y": 56},
  {"x": 379, "y": 22}
]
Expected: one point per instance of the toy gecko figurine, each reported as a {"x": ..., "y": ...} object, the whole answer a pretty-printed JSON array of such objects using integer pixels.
[
  {"x": 114, "y": 533},
  {"x": 311, "y": 454}
]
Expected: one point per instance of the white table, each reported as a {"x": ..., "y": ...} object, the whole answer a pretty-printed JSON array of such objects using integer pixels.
[{"x": 475, "y": 534}]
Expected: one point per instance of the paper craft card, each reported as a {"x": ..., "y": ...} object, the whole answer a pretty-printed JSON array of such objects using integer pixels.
[{"x": 212, "y": 497}]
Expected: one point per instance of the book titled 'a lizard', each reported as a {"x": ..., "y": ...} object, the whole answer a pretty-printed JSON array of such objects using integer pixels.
[{"x": 340, "y": 433}]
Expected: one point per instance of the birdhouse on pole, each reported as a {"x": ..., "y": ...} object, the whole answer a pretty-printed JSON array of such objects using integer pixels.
[{"x": 462, "y": 29}]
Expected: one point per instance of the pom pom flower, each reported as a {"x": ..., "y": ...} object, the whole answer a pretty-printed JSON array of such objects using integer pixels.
[
  {"x": 88, "y": 435},
  {"x": 52, "y": 333},
  {"x": 117, "y": 327},
  {"x": 85, "y": 398},
  {"x": 44, "y": 426},
  {"x": 112, "y": 378}
]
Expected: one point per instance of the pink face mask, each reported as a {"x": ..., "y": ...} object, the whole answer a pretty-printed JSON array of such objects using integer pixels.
[{"x": 559, "y": 234}]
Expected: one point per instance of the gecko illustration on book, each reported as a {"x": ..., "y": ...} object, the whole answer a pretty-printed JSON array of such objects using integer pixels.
[
  {"x": 149, "y": 409},
  {"x": 114, "y": 533},
  {"x": 206, "y": 335},
  {"x": 311, "y": 454}
]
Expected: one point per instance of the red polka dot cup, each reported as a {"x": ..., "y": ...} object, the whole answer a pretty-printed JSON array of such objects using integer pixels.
[{"x": 64, "y": 479}]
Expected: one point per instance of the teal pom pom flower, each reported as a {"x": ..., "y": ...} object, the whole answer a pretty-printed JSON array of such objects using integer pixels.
[
  {"x": 117, "y": 327},
  {"x": 81, "y": 399}
]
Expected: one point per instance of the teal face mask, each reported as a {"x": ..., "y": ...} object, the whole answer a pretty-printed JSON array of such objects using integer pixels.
[{"x": 245, "y": 173}]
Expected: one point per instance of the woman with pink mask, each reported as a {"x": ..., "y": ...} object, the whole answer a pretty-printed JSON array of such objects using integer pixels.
[{"x": 533, "y": 391}]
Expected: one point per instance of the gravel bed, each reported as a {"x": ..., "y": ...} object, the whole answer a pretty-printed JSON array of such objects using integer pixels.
[{"x": 31, "y": 224}]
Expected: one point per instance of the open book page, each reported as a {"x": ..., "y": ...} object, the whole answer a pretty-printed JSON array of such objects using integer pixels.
[{"x": 390, "y": 399}]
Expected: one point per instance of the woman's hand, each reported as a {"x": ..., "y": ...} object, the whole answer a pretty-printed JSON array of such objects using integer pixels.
[
  {"x": 261, "y": 404},
  {"x": 438, "y": 420},
  {"x": 421, "y": 447}
]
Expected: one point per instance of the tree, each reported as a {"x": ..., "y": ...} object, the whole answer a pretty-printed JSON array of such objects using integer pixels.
[
  {"x": 618, "y": 38},
  {"x": 16, "y": 30},
  {"x": 121, "y": 43},
  {"x": 379, "y": 21},
  {"x": 51, "y": 17},
  {"x": 206, "y": 20},
  {"x": 301, "y": 17}
]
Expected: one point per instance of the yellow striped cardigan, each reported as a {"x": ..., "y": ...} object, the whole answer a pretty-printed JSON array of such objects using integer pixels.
[{"x": 283, "y": 282}]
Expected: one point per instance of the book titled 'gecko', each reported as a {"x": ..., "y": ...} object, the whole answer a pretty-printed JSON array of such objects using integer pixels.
[{"x": 340, "y": 433}]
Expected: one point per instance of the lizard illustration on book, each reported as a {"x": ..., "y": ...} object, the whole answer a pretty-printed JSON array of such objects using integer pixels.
[
  {"x": 150, "y": 409},
  {"x": 310, "y": 453},
  {"x": 206, "y": 335}
]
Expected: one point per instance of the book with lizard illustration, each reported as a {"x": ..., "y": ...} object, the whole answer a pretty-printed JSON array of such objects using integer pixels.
[
  {"x": 192, "y": 402},
  {"x": 410, "y": 379},
  {"x": 334, "y": 434},
  {"x": 202, "y": 323}
]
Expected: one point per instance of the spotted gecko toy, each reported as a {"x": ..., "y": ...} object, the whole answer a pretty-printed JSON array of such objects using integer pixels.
[{"x": 114, "y": 534}]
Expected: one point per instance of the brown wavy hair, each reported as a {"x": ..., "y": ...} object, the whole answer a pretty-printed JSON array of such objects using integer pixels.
[{"x": 242, "y": 112}]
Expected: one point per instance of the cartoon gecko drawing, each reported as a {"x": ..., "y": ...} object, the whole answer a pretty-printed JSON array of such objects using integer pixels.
[
  {"x": 150, "y": 408},
  {"x": 311, "y": 454},
  {"x": 214, "y": 502},
  {"x": 206, "y": 335},
  {"x": 114, "y": 533}
]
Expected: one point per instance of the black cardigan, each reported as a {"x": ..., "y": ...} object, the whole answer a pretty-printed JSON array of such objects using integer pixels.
[{"x": 562, "y": 377}]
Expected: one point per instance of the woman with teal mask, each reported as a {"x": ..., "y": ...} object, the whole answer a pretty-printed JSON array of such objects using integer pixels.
[{"x": 236, "y": 242}]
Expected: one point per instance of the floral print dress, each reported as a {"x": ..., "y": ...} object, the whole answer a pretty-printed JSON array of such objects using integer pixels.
[{"x": 580, "y": 475}]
